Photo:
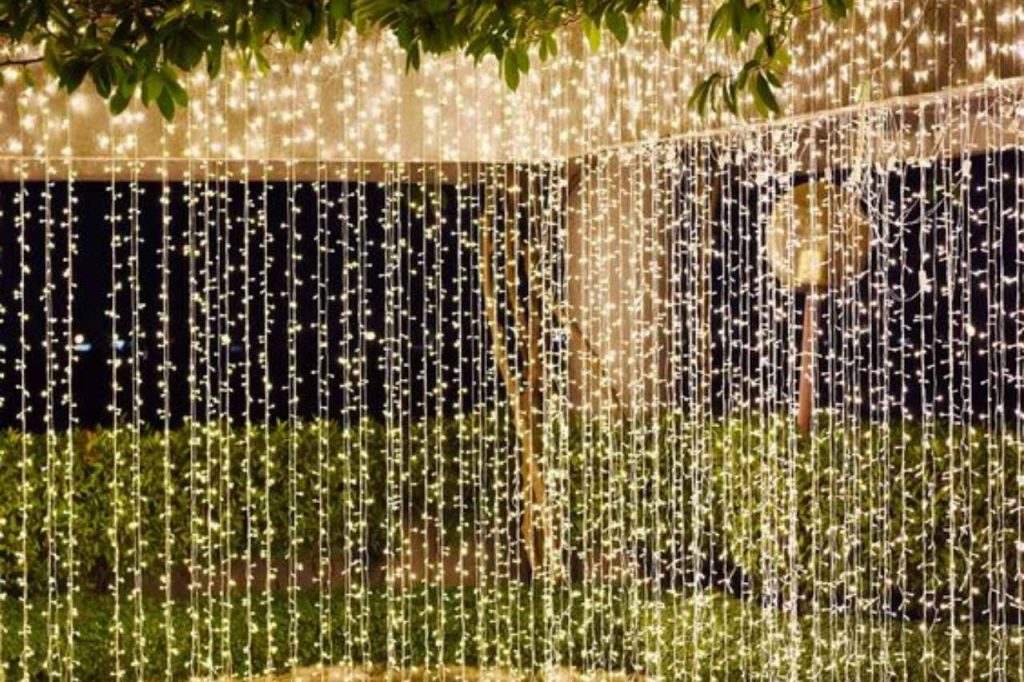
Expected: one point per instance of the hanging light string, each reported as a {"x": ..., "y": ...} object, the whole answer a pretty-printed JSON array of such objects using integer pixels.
[
  {"x": 117, "y": 511},
  {"x": 590, "y": 369},
  {"x": 292, "y": 387},
  {"x": 51, "y": 395},
  {"x": 322, "y": 374},
  {"x": 134, "y": 345},
  {"x": 192, "y": 478},
  {"x": 209, "y": 394},
  {"x": 170, "y": 474},
  {"x": 24, "y": 465},
  {"x": 265, "y": 361},
  {"x": 248, "y": 420},
  {"x": 226, "y": 368},
  {"x": 71, "y": 571}
]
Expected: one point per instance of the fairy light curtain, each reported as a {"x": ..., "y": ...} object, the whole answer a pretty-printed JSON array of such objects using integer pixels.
[{"x": 591, "y": 395}]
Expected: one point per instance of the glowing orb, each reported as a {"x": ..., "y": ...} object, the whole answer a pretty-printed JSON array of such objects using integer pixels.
[{"x": 818, "y": 236}]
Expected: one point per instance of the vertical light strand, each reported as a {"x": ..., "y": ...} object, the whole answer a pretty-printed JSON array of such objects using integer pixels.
[
  {"x": 346, "y": 457},
  {"x": 249, "y": 91},
  {"x": 7, "y": 455},
  {"x": 169, "y": 471},
  {"x": 267, "y": 454},
  {"x": 134, "y": 344},
  {"x": 322, "y": 298},
  {"x": 225, "y": 370},
  {"x": 208, "y": 355},
  {"x": 70, "y": 560},
  {"x": 50, "y": 394},
  {"x": 192, "y": 245},
  {"x": 25, "y": 466},
  {"x": 393, "y": 549},
  {"x": 117, "y": 509},
  {"x": 291, "y": 227}
]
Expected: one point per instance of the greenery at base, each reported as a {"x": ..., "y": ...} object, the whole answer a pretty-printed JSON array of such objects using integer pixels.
[
  {"x": 905, "y": 502},
  {"x": 706, "y": 636},
  {"x": 905, "y": 519},
  {"x": 143, "y": 49},
  {"x": 238, "y": 475}
]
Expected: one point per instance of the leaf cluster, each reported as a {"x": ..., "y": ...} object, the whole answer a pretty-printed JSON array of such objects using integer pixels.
[
  {"x": 762, "y": 31},
  {"x": 143, "y": 49}
]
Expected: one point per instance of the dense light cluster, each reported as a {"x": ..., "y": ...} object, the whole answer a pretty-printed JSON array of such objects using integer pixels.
[{"x": 564, "y": 308}]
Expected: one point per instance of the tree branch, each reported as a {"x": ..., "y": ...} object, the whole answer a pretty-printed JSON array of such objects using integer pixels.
[
  {"x": 498, "y": 341},
  {"x": 22, "y": 61}
]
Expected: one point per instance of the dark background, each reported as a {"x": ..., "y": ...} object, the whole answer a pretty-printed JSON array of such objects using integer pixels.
[
  {"x": 441, "y": 322},
  {"x": 356, "y": 252}
]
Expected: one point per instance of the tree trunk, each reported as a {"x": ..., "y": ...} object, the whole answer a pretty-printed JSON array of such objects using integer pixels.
[
  {"x": 805, "y": 409},
  {"x": 522, "y": 385}
]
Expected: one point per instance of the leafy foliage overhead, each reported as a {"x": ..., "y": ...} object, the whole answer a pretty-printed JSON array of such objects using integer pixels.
[{"x": 143, "y": 48}]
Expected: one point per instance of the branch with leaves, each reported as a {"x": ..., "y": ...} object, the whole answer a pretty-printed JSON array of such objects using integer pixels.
[
  {"x": 143, "y": 49},
  {"x": 765, "y": 28}
]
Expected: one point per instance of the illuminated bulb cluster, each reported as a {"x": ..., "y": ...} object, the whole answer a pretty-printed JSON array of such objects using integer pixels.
[{"x": 435, "y": 374}]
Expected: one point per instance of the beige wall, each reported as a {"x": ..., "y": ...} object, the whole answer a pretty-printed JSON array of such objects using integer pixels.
[{"x": 355, "y": 102}]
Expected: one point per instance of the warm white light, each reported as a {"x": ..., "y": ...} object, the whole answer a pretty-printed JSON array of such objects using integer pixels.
[{"x": 618, "y": 289}]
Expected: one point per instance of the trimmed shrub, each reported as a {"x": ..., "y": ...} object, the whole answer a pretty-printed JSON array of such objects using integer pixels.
[
  {"x": 227, "y": 487},
  {"x": 902, "y": 519}
]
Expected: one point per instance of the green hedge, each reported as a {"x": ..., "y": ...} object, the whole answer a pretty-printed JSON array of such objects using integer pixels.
[
  {"x": 850, "y": 518},
  {"x": 208, "y": 468},
  {"x": 896, "y": 519}
]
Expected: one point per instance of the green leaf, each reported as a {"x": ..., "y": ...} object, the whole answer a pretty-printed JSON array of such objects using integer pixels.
[
  {"x": 412, "y": 57},
  {"x": 522, "y": 59},
  {"x": 592, "y": 33},
  {"x": 782, "y": 61},
  {"x": 102, "y": 79},
  {"x": 701, "y": 94},
  {"x": 171, "y": 86},
  {"x": 765, "y": 94},
  {"x": 618, "y": 26},
  {"x": 552, "y": 44},
  {"x": 719, "y": 23},
  {"x": 127, "y": 88},
  {"x": 668, "y": 27},
  {"x": 119, "y": 101},
  {"x": 737, "y": 12},
  {"x": 72, "y": 74},
  {"x": 511, "y": 69},
  {"x": 152, "y": 87},
  {"x": 166, "y": 105},
  {"x": 836, "y": 9},
  {"x": 262, "y": 64},
  {"x": 213, "y": 60},
  {"x": 754, "y": 20},
  {"x": 729, "y": 95},
  {"x": 341, "y": 9},
  {"x": 744, "y": 74},
  {"x": 51, "y": 62}
]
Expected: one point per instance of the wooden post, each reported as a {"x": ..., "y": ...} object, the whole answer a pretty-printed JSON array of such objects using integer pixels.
[{"x": 805, "y": 408}]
